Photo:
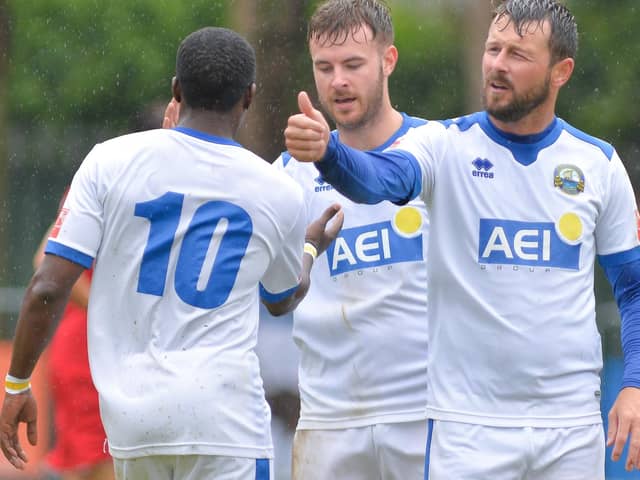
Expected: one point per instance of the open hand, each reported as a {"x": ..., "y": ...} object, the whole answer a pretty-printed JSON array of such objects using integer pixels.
[
  {"x": 307, "y": 133},
  {"x": 624, "y": 424},
  {"x": 16, "y": 409},
  {"x": 171, "y": 114},
  {"x": 321, "y": 235}
]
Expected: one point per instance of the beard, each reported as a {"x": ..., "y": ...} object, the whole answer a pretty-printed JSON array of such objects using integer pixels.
[
  {"x": 372, "y": 105},
  {"x": 521, "y": 105}
]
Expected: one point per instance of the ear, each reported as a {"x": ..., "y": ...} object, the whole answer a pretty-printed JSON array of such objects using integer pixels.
[
  {"x": 561, "y": 71},
  {"x": 176, "y": 91},
  {"x": 249, "y": 95},
  {"x": 389, "y": 59}
]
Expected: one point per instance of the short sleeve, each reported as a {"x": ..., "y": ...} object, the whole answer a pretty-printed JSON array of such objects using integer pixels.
[
  {"x": 77, "y": 232},
  {"x": 617, "y": 226},
  {"x": 283, "y": 274}
]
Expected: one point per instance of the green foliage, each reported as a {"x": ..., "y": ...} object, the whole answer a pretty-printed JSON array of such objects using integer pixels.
[
  {"x": 602, "y": 98},
  {"x": 428, "y": 80},
  {"x": 95, "y": 61}
]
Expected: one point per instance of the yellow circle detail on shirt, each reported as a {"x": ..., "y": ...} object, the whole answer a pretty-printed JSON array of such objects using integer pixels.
[
  {"x": 407, "y": 222},
  {"x": 570, "y": 227}
]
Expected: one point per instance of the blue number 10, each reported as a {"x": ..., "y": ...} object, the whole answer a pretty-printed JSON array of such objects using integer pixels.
[{"x": 230, "y": 223}]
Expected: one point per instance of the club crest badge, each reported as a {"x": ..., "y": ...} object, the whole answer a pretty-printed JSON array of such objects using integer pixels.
[{"x": 569, "y": 179}]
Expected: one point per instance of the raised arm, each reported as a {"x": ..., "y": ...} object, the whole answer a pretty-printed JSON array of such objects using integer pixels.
[{"x": 364, "y": 177}]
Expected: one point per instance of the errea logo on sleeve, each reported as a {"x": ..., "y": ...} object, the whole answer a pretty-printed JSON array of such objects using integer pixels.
[{"x": 536, "y": 244}]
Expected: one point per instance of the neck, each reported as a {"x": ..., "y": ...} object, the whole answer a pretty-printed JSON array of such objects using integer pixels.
[
  {"x": 534, "y": 122},
  {"x": 213, "y": 123},
  {"x": 375, "y": 132}
]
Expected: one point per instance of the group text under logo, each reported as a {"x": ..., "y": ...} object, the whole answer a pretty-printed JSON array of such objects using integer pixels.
[{"x": 372, "y": 246}]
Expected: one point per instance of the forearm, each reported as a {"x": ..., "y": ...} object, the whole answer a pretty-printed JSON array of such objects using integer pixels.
[
  {"x": 38, "y": 317},
  {"x": 371, "y": 177},
  {"x": 625, "y": 280},
  {"x": 42, "y": 307},
  {"x": 290, "y": 303}
]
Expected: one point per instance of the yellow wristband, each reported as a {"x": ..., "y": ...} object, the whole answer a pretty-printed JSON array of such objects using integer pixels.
[
  {"x": 16, "y": 385},
  {"x": 311, "y": 250}
]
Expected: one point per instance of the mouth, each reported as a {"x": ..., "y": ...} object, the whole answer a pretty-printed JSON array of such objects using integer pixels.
[
  {"x": 499, "y": 85},
  {"x": 344, "y": 101}
]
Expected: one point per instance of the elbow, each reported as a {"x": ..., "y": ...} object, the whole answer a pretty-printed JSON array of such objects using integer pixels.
[{"x": 43, "y": 290}]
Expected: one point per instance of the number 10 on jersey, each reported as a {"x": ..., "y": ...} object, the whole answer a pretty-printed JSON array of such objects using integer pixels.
[{"x": 210, "y": 254}]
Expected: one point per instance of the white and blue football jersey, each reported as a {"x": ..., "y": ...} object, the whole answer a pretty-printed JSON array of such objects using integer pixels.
[
  {"x": 516, "y": 225},
  {"x": 182, "y": 227},
  {"x": 361, "y": 329}
]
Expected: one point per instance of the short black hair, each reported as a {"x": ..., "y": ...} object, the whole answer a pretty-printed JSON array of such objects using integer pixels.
[
  {"x": 563, "y": 41},
  {"x": 214, "y": 67}
]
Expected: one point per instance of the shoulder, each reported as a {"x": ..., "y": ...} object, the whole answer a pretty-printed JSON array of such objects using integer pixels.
[
  {"x": 605, "y": 148},
  {"x": 463, "y": 123}
]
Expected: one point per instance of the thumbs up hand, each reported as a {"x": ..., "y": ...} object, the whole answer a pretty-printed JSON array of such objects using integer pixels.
[{"x": 307, "y": 133}]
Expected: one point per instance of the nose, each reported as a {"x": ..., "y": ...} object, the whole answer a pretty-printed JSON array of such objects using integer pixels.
[
  {"x": 339, "y": 79},
  {"x": 499, "y": 61}
]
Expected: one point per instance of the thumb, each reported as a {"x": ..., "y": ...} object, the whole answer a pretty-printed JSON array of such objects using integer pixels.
[
  {"x": 306, "y": 107},
  {"x": 32, "y": 432}
]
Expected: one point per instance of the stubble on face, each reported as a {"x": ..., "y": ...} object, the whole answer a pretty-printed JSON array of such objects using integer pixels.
[
  {"x": 370, "y": 101},
  {"x": 521, "y": 104}
]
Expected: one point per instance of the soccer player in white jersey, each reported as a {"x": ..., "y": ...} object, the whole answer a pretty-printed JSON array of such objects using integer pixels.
[
  {"x": 361, "y": 328},
  {"x": 186, "y": 229},
  {"x": 521, "y": 205}
]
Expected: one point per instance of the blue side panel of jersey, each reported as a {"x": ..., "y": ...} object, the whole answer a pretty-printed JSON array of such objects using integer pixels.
[
  {"x": 428, "y": 450},
  {"x": 262, "y": 469},
  {"x": 68, "y": 253}
]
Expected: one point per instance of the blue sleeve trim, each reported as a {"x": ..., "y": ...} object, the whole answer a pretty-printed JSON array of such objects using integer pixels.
[
  {"x": 371, "y": 177},
  {"x": 276, "y": 297},
  {"x": 625, "y": 280},
  {"x": 68, "y": 253},
  {"x": 619, "y": 258}
]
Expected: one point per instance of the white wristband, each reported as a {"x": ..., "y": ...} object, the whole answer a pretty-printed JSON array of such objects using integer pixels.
[
  {"x": 311, "y": 249},
  {"x": 14, "y": 385}
]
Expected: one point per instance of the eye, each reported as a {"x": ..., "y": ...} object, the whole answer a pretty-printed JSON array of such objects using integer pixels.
[{"x": 353, "y": 66}]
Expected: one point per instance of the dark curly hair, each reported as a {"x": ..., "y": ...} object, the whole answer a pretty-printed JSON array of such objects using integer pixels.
[{"x": 214, "y": 67}]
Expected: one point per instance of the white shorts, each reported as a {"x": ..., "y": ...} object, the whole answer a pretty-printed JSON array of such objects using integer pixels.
[
  {"x": 477, "y": 452},
  {"x": 386, "y": 451},
  {"x": 192, "y": 467}
]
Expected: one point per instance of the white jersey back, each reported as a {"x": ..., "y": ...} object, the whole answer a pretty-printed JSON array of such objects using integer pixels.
[
  {"x": 182, "y": 226},
  {"x": 516, "y": 226},
  {"x": 361, "y": 329}
]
